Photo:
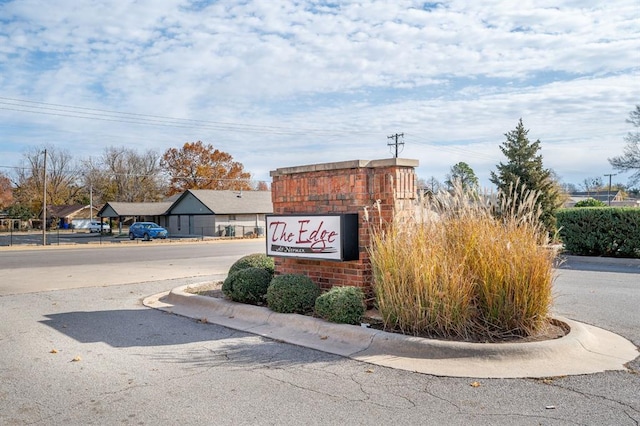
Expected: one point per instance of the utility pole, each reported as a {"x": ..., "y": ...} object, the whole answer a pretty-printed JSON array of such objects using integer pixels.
[
  {"x": 44, "y": 201},
  {"x": 396, "y": 143},
  {"x": 609, "y": 190}
]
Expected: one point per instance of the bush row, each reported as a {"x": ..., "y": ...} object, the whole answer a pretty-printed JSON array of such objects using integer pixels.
[
  {"x": 601, "y": 231},
  {"x": 251, "y": 281}
]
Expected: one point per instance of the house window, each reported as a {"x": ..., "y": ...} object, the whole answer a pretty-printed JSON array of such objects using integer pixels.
[
  {"x": 232, "y": 217},
  {"x": 179, "y": 222}
]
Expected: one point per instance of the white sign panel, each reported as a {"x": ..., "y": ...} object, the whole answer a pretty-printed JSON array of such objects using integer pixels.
[{"x": 305, "y": 236}]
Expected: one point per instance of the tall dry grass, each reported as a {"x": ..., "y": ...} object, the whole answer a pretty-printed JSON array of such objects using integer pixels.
[{"x": 465, "y": 266}]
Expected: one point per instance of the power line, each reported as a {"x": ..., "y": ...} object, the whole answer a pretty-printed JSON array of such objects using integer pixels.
[
  {"x": 44, "y": 108},
  {"x": 454, "y": 149}
]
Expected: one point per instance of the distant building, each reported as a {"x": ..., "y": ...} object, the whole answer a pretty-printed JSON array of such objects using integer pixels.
[
  {"x": 219, "y": 213},
  {"x": 613, "y": 198},
  {"x": 75, "y": 216},
  {"x": 199, "y": 212}
]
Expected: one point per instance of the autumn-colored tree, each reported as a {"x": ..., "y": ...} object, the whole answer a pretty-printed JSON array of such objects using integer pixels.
[
  {"x": 61, "y": 179},
  {"x": 6, "y": 192},
  {"x": 199, "y": 166},
  {"x": 262, "y": 186}
]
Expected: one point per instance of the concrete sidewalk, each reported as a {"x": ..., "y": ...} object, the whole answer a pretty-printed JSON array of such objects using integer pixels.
[{"x": 584, "y": 350}]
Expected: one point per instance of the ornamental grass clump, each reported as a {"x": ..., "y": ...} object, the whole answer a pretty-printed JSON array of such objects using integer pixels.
[{"x": 467, "y": 266}]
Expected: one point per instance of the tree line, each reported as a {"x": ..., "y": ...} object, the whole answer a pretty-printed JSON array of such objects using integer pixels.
[
  {"x": 123, "y": 174},
  {"x": 524, "y": 166},
  {"x": 117, "y": 174}
]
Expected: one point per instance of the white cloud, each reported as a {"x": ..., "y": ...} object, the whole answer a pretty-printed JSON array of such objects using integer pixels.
[{"x": 453, "y": 78}]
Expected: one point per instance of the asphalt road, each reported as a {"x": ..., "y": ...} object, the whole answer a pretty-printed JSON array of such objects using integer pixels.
[
  {"x": 25, "y": 269},
  {"x": 95, "y": 355}
]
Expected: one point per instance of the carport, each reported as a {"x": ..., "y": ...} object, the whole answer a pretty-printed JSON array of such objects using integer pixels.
[{"x": 135, "y": 212}]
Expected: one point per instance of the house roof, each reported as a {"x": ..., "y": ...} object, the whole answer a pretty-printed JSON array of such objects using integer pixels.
[
  {"x": 231, "y": 202},
  {"x": 65, "y": 210},
  {"x": 116, "y": 209},
  {"x": 600, "y": 196}
]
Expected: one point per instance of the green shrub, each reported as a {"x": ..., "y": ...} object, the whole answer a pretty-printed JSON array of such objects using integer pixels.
[
  {"x": 256, "y": 260},
  {"x": 292, "y": 293},
  {"x": 343, "y": 305},
  {"x": 590, "y": 202},
  {"x": 602, "y": 231},
  {"x": 247, "y": 285}
]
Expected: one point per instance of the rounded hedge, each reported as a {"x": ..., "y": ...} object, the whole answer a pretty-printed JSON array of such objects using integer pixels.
[
  {"x": 590, "y": 202},
  {"x": 292, "y": 293},
  {"x": 343, "y": 305},
  {"x": 256, "y": 260},
  {"x": 247, "y": 285}
]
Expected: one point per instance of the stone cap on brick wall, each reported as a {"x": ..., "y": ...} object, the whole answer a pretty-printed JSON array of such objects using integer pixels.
[{"x": 353, "y": 164}]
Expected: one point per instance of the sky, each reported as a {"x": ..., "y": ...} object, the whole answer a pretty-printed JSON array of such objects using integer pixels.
[{"x": 284, "y": 83}]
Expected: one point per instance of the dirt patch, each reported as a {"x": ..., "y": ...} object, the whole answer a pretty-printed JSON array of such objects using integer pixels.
[
  {"x": 213, "y": 289},
  {"x": 552, "y": 329}
]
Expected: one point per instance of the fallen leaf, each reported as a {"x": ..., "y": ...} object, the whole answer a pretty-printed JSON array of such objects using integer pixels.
[
  {"x": 368, "y": 370},
  {"x": 76, "y": 359},
  {"x": 203, "y": 321},
  {"x": 324, "y": 337},
  {"x": 53, "y": 351},
  {"x": 474, "y": 384},
  {"x": 231, "y": 316},
  {"x": 547, "y": 381}
]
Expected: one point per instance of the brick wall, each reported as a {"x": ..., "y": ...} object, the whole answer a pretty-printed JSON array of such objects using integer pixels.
[{"x": 344, "y": 187}]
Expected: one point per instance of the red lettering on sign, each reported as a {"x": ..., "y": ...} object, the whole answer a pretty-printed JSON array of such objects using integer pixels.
[
  {"x": 279, "y": 232},
  {"x": 318, "y": 238}
]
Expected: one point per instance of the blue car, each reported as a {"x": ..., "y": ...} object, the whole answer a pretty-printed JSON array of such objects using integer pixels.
[{"x": 147, "y": 231}]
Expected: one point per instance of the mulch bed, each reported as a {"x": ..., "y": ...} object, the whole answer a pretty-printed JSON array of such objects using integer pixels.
[{"x": 554, "y": 329}]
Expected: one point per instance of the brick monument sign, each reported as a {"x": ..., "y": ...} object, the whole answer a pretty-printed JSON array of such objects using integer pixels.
[{"x": 318, "y": 226}]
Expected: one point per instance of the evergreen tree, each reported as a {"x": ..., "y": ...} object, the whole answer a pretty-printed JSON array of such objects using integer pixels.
[
  {"x": 524, "y": 167},
  {"x": 462, "y": 174}
]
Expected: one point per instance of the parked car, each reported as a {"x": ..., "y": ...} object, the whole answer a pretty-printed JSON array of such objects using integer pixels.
[
  {"x": 95, "y": 226},
  {"x": 147, "y": 231}
]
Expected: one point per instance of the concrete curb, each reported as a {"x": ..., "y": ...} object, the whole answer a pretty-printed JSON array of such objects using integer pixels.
[{"x": 584, "y": 350}]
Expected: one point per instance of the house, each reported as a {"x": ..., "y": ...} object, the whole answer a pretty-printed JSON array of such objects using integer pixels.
[
  {"x": 76, "y": 216},
  {"x": 199, "y": 212},
  {"x": 604, "y": 196},
  {"x": 219, "y": 213}
]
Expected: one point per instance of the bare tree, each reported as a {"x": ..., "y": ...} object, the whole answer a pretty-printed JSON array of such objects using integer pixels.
[
  {"x": 630, "y": 159},
  {"x": 592, "y": 184},
  {"x": 62, "y": 178},
  {"x": 429, "y": 186},
  {"x": 122, "y": 174}
]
